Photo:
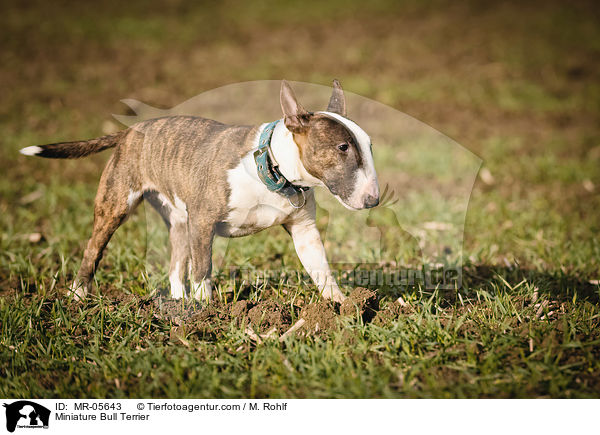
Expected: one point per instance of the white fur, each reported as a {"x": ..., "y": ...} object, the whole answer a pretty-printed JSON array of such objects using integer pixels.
[
  {"x": 311, "y": 253},
  {"x": 177, "y": 286},
  {"x": 165, "y": 201},
  {"x": 147, "y": 187},
  {"x": 252, "y": 205},
  {"x": 133, "y": 198},
  {"x": 366, "y": 179},
  {"x": 31, "y": 151},
  {"x": 202, "y": 291},
  {"x": 178, "y": 212},
  {"x": 287, "y": 156},
  {"x": 78, "y": 290}
]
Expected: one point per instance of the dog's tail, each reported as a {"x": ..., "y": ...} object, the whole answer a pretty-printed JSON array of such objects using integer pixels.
[{"x": 75, "y": 150}]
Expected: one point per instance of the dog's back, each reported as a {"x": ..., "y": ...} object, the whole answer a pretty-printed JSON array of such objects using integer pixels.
[
  {"x": 187, "y": 155},
  {"x": 173, "y": 154}
]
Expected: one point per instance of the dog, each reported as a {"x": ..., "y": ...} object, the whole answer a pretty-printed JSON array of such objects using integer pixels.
[{"x": 206, "y": 178}]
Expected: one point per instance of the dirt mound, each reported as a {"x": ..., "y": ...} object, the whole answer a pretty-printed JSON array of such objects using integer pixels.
[
  {"x": 240, "y": 309},
  {"x": 361, "y": 301},
  {"x": 188, "y": 319},
  {"x": 319, "y": 317},
  {"x": 208, "y": 322},
  {"x": 267, "y": 315}
]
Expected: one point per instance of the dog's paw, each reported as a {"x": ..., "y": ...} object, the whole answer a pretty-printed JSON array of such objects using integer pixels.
[
  {"x": 177, "y": 290},
  {"x": 78, "y": 290},
  {"x": 202, "y": 291},
  {"x": 339, "y": 297},
  {"x": 334, "y": 295}
]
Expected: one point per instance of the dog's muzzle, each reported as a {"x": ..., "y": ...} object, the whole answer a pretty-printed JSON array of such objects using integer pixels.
[{"x": 368, "y": 196}]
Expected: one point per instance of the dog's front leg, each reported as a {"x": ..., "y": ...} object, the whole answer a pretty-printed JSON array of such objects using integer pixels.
[
  {"x": 311, "y": 252},
  {"x": 201, "y": 239}
]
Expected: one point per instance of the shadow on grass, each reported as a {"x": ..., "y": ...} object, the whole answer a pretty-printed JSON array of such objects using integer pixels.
[{"x": 557, "y": 285}]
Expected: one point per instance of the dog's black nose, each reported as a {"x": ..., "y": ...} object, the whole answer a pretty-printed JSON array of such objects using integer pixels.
[{"x": 371, "y": 201}]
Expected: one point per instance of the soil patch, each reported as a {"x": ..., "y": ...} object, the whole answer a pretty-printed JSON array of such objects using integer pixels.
[
  {"x": 320, "y": 317},
  {"x": 269, "y": 314},
  {"x": 361, "y": 301},
  {"x": 240, "y": 309}
]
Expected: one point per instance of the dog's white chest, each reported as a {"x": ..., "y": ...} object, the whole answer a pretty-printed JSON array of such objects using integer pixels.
[{"x": 252, "y": 207}]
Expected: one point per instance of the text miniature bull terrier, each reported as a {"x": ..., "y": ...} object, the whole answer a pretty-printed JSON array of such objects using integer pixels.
[{"x": 206, "y": 178}]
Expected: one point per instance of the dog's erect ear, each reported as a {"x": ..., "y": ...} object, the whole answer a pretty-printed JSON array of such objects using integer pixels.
[
  {"x": 337, "y": 102},
  {"x": 295, "y": 117}
]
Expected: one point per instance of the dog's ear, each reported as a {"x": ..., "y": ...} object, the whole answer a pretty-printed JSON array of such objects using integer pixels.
[
  {"x": 337, "y": 102},
  {"x": 295, "y": 117}
]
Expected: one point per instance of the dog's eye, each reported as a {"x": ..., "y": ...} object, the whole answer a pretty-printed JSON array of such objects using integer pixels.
[{"x": 343, "y": 147}]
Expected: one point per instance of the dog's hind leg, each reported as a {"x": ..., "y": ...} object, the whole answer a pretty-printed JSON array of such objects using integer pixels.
[
  {"x": 117, "y": 196},
  {"x": 175, "y": 218},
  {"x": 201, "y": 240},
  {"x": 180, "y": 258}
]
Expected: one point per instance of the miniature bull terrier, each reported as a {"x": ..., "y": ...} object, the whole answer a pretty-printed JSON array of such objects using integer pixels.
[{"x": 206, "y": 178}]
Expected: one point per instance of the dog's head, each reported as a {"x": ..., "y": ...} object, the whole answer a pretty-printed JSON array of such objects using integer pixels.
[{"x": 333, "y": 148}]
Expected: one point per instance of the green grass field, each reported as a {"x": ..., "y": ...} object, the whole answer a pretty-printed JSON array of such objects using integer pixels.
[{"x": 518, "y": 86}]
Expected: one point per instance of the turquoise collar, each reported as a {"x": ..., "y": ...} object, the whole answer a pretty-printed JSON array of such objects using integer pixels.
[{"x": 269, "y": 173}]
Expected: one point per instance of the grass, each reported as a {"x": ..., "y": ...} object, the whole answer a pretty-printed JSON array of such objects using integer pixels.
[
  {"x": 516, "y": 86},
  {"x": 491, "y": 346}
]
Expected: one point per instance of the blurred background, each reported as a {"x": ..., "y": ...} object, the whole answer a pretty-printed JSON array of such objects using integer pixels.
[{"x": 517, "y": 84}]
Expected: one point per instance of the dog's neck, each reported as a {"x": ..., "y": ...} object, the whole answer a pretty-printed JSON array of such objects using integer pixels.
[{"x": 287, "y": 156}]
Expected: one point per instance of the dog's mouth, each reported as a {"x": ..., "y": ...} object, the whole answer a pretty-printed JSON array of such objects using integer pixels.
[
  {"x": 347, "y": 201},
  {"x": 345, "y": 204},
  {"x": 370, "y": 203}
]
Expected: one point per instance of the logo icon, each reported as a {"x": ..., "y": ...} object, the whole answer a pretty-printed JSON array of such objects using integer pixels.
[{"x": 26, "y": 414}]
